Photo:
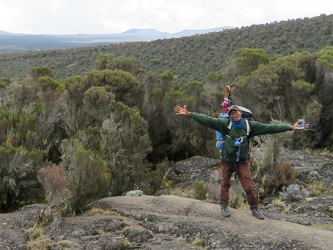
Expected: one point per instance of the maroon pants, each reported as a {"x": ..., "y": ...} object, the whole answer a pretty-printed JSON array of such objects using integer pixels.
[{"x": 245, "y": 179}]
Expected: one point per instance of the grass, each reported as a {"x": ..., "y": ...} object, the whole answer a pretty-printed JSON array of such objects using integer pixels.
[
  {"x": 94, "y": 211},
  {"x": 323, "y": 226},
  {"x": 279, "y": 203},
  {"x": 287, "y": 209},
  {"x": 38, "y": 240},
  {"x": 188, "y": 192},
  {"x": 38, "y": 233},
  {"x": 316, "y": 188},
  {"x": 198, "y": 242},
  {"x": 323, "y": 151}
]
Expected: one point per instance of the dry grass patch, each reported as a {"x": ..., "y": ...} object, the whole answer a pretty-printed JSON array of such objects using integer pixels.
[
  {"x": 316, "y": 188},
  {"x": 38, "y": 240},
  {"x": 279, "y": 203},
  {"x": 323, "y": 226},
  {"x": 94, "y": 211}
]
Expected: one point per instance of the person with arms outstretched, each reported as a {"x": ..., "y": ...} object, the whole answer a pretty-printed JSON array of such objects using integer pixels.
[{"x": 235, "y": 155}]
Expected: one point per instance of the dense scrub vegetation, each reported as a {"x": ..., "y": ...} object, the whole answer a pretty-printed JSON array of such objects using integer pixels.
[
  {"x": 113, "y": 128},
  {"x": 188, "y": 58}
]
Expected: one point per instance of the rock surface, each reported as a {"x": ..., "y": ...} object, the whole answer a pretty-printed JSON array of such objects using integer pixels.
[
  {"x": 166, "y": 222},
  {"x": 196, "y": 168},
  {"x": 174, "y": 217}
]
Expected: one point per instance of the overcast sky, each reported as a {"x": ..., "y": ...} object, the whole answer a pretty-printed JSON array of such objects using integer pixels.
[{"x": 116, "y": 16}]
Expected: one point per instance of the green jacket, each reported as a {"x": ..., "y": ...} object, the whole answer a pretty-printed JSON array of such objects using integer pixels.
[{"x": 221, "y": 125}]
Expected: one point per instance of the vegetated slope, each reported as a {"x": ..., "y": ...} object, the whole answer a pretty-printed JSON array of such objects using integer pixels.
[{"x": 188, "y": 58}]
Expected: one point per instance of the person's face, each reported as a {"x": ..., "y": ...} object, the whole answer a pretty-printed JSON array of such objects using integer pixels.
[{"x": 235, "y": 115}]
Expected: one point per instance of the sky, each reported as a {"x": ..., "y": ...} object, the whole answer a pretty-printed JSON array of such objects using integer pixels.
[{"x": 60, "y": 17}]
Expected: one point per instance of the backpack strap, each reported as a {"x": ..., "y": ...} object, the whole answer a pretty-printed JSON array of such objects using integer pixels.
[
  {"x": 248, "y": 128},
  {"x": 229, "y": 128}
]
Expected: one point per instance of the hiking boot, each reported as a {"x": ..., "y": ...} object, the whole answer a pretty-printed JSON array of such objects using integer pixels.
[
  {"x": 225, "y": 211},
  {"x": 256, "y": 213}
]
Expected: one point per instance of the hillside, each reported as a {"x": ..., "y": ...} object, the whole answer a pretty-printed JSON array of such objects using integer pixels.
[{"x": 189, "y": 58}]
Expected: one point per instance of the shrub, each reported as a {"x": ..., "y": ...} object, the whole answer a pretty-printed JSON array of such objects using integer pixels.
[
  {"x": 151, "y": 181},
  {"x": 18, "y": 180},
  {"x": 268, "y": 175},
  {"x": 283, "y": 175},
  {"x": 87, "y": 173},
  {"x": 54, "y": 182},
  {"x": 125, "y": 143},
  {"x": 286, "y": 173},
  {"x": 134, "y": 193}
]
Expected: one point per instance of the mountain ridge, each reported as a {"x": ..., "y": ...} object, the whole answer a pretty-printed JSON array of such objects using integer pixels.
[
  {"x": 149, "y": 31},
  {"x": 15, "y": 42}
]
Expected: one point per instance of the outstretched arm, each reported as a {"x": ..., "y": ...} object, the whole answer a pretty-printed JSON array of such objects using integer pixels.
[
  {"x": 181, "y": 111},
  {"x": 214, "y": 123},
  {"x": 264, "y": 129}
]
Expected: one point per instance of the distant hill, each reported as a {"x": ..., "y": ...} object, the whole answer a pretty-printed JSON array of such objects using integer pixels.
[
  {"x": 195, "y": 32},
  {"x": 144, "y": 32},
  {"x": 12, "y": 42},
  {"x": 4, "y": 33},
  {"x": 189, "y": 58}
]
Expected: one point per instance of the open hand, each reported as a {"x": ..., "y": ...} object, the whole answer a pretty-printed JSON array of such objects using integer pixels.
[{"x": 181, "y": 111}]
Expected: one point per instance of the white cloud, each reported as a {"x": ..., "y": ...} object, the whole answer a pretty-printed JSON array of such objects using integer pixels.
[
  {"x": 57, "y": 5},
  {"x": 12, "y": 18},
  {"x": 114, "y": 16}
]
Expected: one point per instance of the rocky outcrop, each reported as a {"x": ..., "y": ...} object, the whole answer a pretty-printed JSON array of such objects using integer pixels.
[
  {"x": 13, "y": 226},
  {"x": 303, "y": 161},
  {"x": 195, "y": 220},
  {"x": 196, "y": 168}
]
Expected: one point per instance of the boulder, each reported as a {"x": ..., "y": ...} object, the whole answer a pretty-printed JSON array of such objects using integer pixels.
[{"x": 193, "y": 169}]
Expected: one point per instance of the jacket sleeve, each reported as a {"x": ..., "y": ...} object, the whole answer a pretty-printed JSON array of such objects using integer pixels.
[
  {"x": 258, "y": 128},
  {"x": 208, "y": 121}
]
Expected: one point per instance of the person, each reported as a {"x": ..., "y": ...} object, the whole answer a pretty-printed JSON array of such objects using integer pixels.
[{"x": 241, "y": 166}]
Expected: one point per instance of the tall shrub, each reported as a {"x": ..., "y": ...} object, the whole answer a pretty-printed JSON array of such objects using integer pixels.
[{"x": 88, "y": 176}]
